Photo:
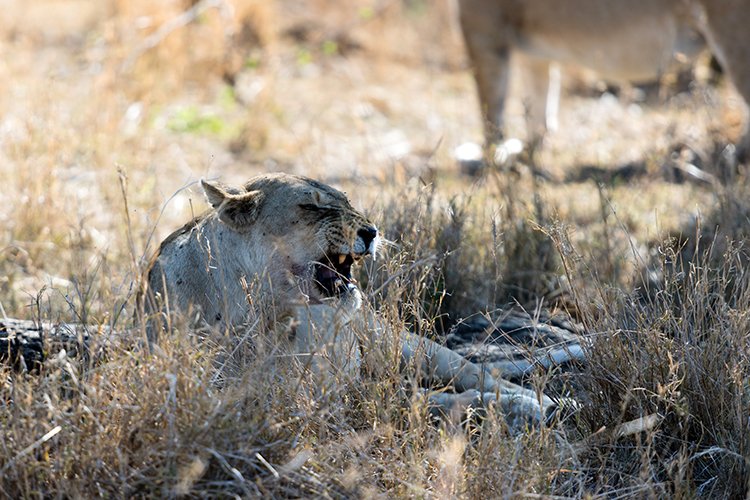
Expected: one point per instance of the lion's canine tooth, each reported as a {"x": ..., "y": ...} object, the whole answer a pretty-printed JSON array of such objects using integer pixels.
[{"x": 342, "y": 258}]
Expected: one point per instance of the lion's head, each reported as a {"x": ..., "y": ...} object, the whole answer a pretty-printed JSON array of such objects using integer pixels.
[
  {"x": 296, "y": 236},
  {"x": 310, "y": 226}
]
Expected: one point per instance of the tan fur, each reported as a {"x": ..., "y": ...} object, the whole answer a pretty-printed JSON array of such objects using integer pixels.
[
  {"x": 271, "y": 232},
  {"x": 626, "y": 39}
]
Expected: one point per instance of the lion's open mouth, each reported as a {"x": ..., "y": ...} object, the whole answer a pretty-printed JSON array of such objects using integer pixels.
[{"x": 333, "y": 274}]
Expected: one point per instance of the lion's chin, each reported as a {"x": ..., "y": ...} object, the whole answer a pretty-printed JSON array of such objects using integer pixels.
[
  {"x": 345, "y": 293},
  {"x": 351, "y": 300},
  {"x": 347, "y": 302}
]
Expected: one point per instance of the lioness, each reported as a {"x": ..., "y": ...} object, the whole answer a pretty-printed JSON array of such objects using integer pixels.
[
  {"x": 298, "y": 239},
  {"x": 624, "y": 38}
]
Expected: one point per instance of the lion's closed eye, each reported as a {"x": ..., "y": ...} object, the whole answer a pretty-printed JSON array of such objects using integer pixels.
[
  {"x": 319, "y": 209},
  {"x": 311, "y": 207}
]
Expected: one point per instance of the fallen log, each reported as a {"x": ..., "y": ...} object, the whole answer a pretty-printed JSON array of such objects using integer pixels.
[{"x": 25, "y": 344}]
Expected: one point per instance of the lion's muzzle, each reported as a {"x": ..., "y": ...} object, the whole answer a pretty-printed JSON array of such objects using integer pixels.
[
  {"x": 367, "y": 238},
  {"x": 333, "y": 272}
]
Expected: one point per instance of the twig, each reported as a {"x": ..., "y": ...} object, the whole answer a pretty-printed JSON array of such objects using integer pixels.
[
  {"x": 642, "y": 424},
  {"x": 267, "y": 465},
  {"x": 36, "y": 444}
]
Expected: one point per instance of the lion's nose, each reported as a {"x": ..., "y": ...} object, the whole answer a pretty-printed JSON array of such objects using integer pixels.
[{"x": 368, "y": 233}]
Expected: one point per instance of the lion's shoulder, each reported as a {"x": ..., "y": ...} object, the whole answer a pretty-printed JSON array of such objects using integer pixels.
[{"x": 180, "y": 233}]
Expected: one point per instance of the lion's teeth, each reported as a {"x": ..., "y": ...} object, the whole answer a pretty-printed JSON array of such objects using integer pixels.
[{"x": 342, "y": 258}]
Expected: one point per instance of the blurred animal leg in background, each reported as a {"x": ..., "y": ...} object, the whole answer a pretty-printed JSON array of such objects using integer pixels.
[{"x": 729, "y": 39}]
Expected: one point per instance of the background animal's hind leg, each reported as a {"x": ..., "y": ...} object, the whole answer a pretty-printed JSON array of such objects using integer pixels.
[
  {"x": 729, "y": 38},
  {"x": 491, "y": 65},
  {"x": 541, "y": 110}
]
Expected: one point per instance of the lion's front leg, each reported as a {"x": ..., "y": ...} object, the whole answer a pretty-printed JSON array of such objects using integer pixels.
[
  {"x": 519, "y": 410},
  {"x": 476, "y": 387},
  {"x": 325, "y": 343}
]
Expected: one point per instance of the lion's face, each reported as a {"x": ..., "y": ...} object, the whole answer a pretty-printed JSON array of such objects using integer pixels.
[{"x": 307, "y": 228}]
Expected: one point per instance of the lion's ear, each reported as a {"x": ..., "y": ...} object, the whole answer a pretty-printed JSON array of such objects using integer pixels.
[
  {"x": 237, "y": 210},
  {"x": 215, "y": 193}
]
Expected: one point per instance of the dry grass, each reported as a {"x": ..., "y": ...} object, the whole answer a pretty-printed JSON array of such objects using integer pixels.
[{"x": 106, "y": 123}]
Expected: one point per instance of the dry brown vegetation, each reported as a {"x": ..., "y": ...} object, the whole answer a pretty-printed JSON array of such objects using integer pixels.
[{"x": 111, "y": 110}]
